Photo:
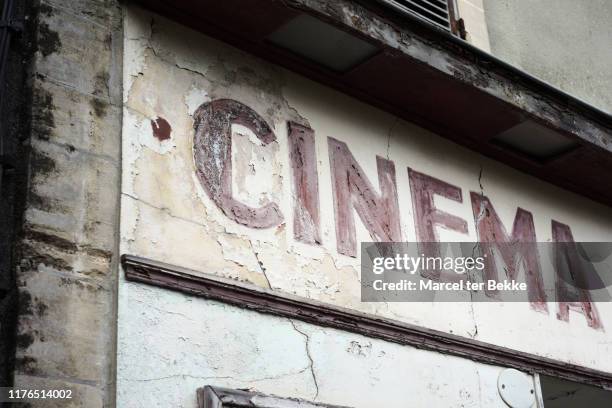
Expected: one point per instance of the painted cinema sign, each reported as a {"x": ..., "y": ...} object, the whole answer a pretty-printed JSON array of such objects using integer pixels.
[
  {"x": 246, "y": 192},
  {"x": 376, "y": 204}
]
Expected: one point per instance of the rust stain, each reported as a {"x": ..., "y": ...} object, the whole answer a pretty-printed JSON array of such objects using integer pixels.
[
  {"x": 521, "y": 245},
  {"x": 306, "y": 219},
  {"x": 563, "y": 233},
  {"x": 427, "y": 217},
  {"x": 212, "y": 147},
  {"x": 161, "y": 128},
  {"x": 352, "y": 189}
]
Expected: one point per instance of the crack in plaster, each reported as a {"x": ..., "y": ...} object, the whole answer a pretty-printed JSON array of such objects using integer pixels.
[
  {"x": 226, "y": 377},
  {"x": 165, "y": 311},
  {"x": 391, "y": 128},
  {"x": 165, "y": 210},
  {"x": 196, "y": 377},
  {"x": 311, "y": 367},
  {"x": 149, "y": 46},
  {"x": 481, "y": 211},
  {"x": 280, "y": 376},
  {"x": 261, "y": 265},
  {"x": 475, "y": 248},
  {"x": 193, "y": 71},
  {"x": 479, "y": 386}
]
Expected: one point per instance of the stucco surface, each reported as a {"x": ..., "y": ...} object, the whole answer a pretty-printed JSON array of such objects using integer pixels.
[
  {"x": 166, "y": 215},
  {"x": 210, "y": 343},
  {"x": 563, "y": 42}
]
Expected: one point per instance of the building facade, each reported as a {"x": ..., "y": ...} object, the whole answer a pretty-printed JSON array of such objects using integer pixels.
[{"x": 191, "y": 183}]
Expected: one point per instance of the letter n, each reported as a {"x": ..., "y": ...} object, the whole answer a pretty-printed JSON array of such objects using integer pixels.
[{"x": 352, "y": 190}]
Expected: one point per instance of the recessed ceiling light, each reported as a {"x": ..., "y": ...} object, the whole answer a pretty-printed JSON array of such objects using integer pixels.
[
  {"x": 322, "y": 43},
  {"x": 535, "y": 141}
]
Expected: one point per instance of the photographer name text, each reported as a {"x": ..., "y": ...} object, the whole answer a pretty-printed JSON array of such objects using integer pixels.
[{"x": 406, "y": 285}]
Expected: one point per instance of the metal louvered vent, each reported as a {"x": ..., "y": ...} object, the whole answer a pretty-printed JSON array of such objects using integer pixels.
[{"x": 433, "y": 11}]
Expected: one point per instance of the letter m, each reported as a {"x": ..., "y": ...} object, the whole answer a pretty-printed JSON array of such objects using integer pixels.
[{"x": 516, "y": 249}]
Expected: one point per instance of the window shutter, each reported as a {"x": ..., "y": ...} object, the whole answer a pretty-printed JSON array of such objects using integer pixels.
[{"x": 437, "y": 12}]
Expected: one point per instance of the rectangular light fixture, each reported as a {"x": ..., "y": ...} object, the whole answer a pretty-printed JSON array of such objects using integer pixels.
[
  {"x": 535, "y": 141},
  {"x": 322, "y": 43}
]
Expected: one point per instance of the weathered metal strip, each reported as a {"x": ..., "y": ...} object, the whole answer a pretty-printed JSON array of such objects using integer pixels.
[
  {"x": 217, "y": 397},
  {"x": 247, "y": 296}
]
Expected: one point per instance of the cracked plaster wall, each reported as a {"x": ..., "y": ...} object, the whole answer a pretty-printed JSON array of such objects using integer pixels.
[
  {"x": 193, "y": 342},
  {"x": 166, "y": 215}
]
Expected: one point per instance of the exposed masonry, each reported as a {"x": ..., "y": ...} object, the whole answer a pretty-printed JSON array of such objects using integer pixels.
[{"x": 66, "y": 256}]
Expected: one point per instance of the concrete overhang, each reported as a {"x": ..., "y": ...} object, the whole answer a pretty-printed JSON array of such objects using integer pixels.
[{"x": 429, "y": 77}]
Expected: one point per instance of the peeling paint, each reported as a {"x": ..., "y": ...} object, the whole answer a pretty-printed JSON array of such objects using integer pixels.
[
  {"x": 194, "y": 98},
  {"x": 220, "y": 197}
]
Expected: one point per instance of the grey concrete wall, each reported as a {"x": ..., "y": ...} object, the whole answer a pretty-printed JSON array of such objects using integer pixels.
[
  {"x": 563, "y": 42},
  {"x": 66, "y": 266},
  {"x": 14, "y": 127}
]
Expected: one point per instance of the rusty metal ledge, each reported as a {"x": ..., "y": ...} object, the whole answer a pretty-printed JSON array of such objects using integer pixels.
[{"x": 261, "y": 300}]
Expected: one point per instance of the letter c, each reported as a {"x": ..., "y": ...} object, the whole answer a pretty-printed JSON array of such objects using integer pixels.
[{"x": 212, "y": 147}]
